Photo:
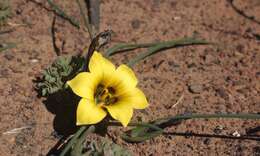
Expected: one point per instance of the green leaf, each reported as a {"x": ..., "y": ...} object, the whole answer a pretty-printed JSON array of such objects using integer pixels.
[
  {"x": 105, "y": 147},
  {"x": 145, "y": 131},
  {"x": 122, "y": 47},
  {"x": 5, "y": 46},
  {"x": 55, "y": 77},
  {"x": 5, "y": 11},
  {"x": 166, "y": 45},
  {"x": 142, "y": 132},
  {"x": 62, "y": 14},
  {"x": 141, "y": 138},
  {"x": 79, "y": 145}
]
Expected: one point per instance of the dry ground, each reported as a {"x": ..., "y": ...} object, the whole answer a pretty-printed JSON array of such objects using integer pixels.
[{"x": 220, "y": 78}]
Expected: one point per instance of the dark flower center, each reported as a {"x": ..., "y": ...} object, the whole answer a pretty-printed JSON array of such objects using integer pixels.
[{"x": 105, "y": 95}]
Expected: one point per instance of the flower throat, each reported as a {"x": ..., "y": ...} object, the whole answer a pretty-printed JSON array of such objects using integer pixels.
[{"x": 105, "y": 95}]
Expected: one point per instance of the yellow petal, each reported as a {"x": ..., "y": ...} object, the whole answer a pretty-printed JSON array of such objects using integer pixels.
[
  {"x": 89, "y": 113},
  {"x": 84, "y": 85},
  {"x": 122, "y": 80},
  {"x": 135, "y": 97},
  {"x": 121, "y": 111},
  {"x": 100, "y": 65},
  {"x": 127, "y": 75}
]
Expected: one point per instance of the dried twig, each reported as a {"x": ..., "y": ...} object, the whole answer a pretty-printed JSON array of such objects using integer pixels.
[
  {"x": 179, "y": 100},
  {"x": 16, "y": 130},
  {"x": 56, "y": 49}
]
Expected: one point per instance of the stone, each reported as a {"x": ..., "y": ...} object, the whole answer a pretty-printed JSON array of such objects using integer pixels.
[{"x": 195, "y": 88}]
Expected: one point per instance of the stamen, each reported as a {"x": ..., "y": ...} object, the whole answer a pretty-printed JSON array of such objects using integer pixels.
[
  {"x": 111, "y": 90},
  {"x": 105, "y": 96},
  {"x": 99, "y": 90}
]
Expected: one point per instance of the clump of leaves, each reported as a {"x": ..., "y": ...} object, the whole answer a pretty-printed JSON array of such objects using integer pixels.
[
  {"x": 5, "y": 11},
  {"x": 105, "y": 147},
  {"x": 55, "y": 77}
]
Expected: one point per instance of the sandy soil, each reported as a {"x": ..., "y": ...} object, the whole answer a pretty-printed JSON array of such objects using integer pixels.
[{"x": 218, "y": 78}]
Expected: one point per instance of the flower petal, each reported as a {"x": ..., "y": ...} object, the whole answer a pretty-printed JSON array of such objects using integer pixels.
[
  {"x": 127, "y": 75},
  {"x": 100, "y": 65},
  {"x": 122, "y": 79},
  {"x": 121, "y": 111},
  {"x": 89, "y": 113},
  {"x": 84, "y": 85},
  {"x": 135, "y": 97}
]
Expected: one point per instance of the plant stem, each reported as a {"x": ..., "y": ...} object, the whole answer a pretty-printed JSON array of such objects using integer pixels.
[{"x": 73, "y": 140}]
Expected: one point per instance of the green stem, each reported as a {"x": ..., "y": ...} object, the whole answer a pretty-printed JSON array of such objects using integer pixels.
[
  {"x": 165, "y": 45},
  {"x": 73, "y": 140}
]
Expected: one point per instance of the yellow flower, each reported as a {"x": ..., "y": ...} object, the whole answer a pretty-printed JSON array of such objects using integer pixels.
[{"x": 106, "y": 89}]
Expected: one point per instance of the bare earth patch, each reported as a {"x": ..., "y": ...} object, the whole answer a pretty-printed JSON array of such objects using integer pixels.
[{"x": 218, "y": 78}]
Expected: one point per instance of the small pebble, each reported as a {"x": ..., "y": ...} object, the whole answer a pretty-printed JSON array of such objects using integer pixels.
[
  {"x": 195, "y": 88},
  {"x": 173, "y": 64},
  {"x": 256, "y": 150},
  {"x": 136, "y": 24},
  {"x": 257, "y": 74},
  {"x": 176, "y": 18},
  {"x": 209, "y": 59},
  {"x": 222, "y": 93},
  {"x": 218, "y": 129},
  {"x": 206, "y": 141},
  {"x": 34, "y": 60},
  {"x": 236, "y": 134},
  {"x": 9, "y": 57}
]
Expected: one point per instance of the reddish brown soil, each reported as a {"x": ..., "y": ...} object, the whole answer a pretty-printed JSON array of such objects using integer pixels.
[{"x": 225, "y": 77}]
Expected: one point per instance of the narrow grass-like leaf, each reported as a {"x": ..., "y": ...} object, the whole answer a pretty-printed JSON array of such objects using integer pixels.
[
  {"x": 62, "y": 14},
  {"x": 84, "y": 14},
  {"x": 141, "y": 133},
  {"x": 5, "y": 11},
  {"x": 79, "y": 145},
  {"x": 105, "y": 147},
  {"x": 166, "y": 45},
  {"x": 123, "y": 47},
  {"x": 141, "y": 138},
  {"x": 73, "y": 140},
  {"x": 5, "y": 46}
]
